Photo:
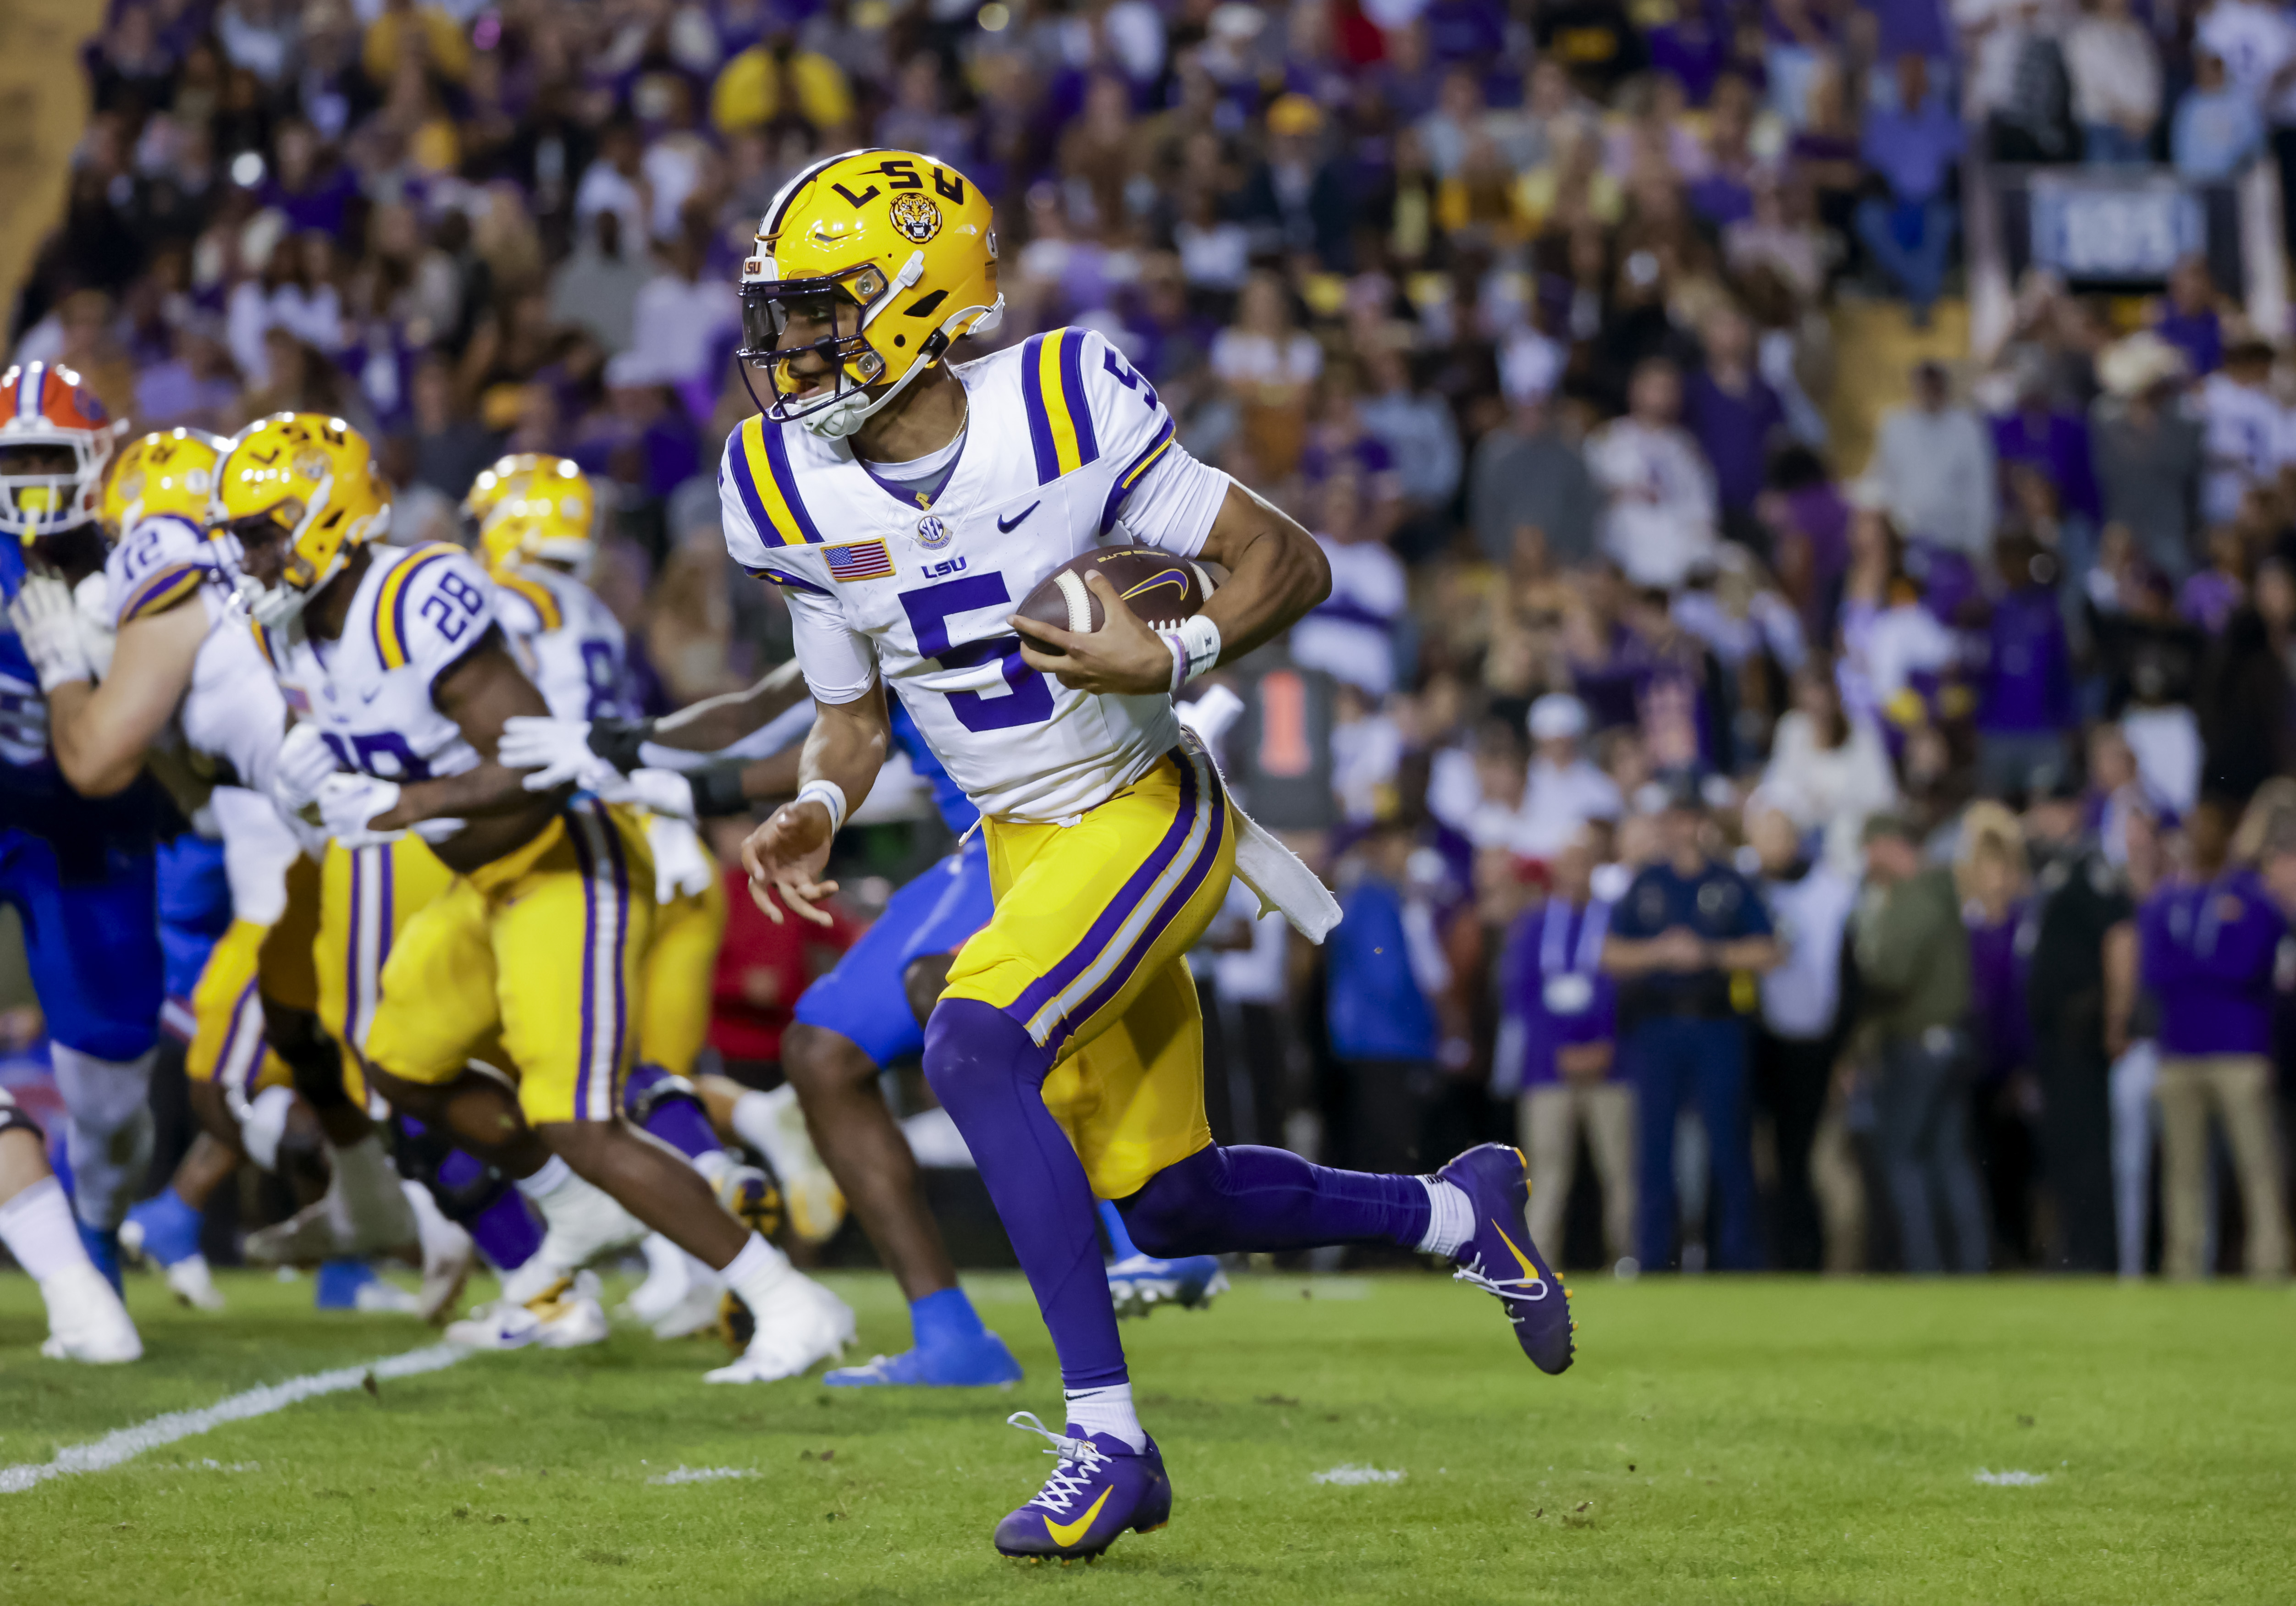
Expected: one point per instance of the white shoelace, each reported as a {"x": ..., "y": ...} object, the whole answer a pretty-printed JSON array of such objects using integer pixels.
[
  {"x": 1523, "y": 1289},
  {"x": 1065, "y": 1486}
]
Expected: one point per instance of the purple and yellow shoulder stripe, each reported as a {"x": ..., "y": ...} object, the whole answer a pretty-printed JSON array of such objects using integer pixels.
[
  {"x": 1131, "y": 477},
  {"x": 1051, "y": 387},
  {"x": 759, "y": 458},
  {"x": 163, "y": 589},
  {"x": 391, "y": 602},
  {"x": 537, "y": 596}
]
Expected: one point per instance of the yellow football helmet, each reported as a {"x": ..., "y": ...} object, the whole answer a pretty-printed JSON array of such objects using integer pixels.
[
  {"x": 546, "y": 515},
  {"x": 312, "y": 477},
  {"x": 498, "y": 479},
  {"x": 876, "y": 260},
  {"x": 166, "y": 472}
]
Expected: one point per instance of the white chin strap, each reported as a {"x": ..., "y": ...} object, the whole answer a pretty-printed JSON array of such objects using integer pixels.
[{"x": 847, "y": 414}]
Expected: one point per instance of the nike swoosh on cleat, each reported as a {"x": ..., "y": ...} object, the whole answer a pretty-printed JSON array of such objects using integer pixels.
[
  {"x": 1065, "y": 1533},
  {"x": 1521, "y": 1259},
  {"x": 1004, "y": 527}
]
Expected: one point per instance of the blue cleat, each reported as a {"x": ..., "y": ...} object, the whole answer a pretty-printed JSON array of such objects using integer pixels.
[
  {"x": 1503, "y": 1261},
  {"x": 163, "y": 1228},
  {"x": 347, "y": 1284},
  {"x": 1138, "y": 1284},
  {"x": 981, "y": 1363},
  {"x": 102, "y": 1244},
  {"x": 1101, "y": 1487}
]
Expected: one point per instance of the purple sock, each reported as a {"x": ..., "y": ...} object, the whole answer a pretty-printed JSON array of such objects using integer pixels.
[
  {"x": 506, "y": 1232},
  {"x": 665, "y": 1105},
  {"x": 990, "y": 1076},
  {"x": 1220, "y": 1200}
]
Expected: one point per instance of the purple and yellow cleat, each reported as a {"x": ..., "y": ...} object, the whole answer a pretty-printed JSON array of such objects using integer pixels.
[
  {"x": 1503, "y": 1261},
  {"x": 1101, "y": 1487}
]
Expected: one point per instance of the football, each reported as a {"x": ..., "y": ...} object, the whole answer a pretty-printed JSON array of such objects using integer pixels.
[{"x": 1161, "y": 589}]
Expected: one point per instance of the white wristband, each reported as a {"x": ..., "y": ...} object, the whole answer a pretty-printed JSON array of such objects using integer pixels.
[
  {"x": 831, "y": 797},
  {"x": 1195, "y": 648}
]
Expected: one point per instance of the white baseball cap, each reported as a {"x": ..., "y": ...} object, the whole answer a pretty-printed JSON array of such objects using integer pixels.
[{"x": 1557, "y": 716}]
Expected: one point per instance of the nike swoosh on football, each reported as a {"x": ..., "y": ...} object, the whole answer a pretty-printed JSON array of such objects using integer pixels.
[
  {"x": 1005, "y": 526},
  {"x": 1065, "y": 1533}
]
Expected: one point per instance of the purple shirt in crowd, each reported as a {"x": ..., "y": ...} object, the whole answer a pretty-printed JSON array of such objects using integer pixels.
[
  {"x": 2028, "y": 680},
  {"x": 1552, "y": 980},
  {"x": 2208, "y": 950},
  {"x": 1916, "y": 153},
  {"x": 2057, "y": 444},
  {"x": 1998, "y": 1016},
  {"x": 1735, "y": 429}
]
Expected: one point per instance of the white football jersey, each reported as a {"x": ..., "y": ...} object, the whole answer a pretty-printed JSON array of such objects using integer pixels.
[
  {"x": 418, "y": 611},
  {"x": 232, "y": 711},
  {"x": 569, "y": 641},
  {"x": 1066, "y": 448}
]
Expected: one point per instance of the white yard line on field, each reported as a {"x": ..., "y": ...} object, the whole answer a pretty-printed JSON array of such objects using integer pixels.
[{"x": 102, "y": 1454}]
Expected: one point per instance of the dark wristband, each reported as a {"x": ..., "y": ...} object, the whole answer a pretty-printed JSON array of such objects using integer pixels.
[
  {"x": 718, "y": 790},
  {"x": 617, "y": 740}
]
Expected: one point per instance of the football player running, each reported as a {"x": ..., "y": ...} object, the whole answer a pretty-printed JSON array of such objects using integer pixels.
[
  {"x": 535, "y": 518},
  {"x": 906, "y": 507},
  {"x": 80, "y": 871},
  {"x": 531, "y": 956},
  {"x": 183, "y": 665}
]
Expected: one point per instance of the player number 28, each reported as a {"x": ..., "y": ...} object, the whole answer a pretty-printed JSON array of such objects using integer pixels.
[{"x": 452, "y": 606}]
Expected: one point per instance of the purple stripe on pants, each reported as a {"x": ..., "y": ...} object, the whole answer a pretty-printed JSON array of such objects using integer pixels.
[
  {"x": 1175, "y": 905},
  {"x": 589, "y": 870},
  {"x": 1074, "y": 961}
]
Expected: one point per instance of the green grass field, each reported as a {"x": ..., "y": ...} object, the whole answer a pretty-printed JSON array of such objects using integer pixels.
[{"x": 1756, "y": 1440}]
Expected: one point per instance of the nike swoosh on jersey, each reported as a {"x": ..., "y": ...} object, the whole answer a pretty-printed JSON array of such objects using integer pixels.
[
  {"x": 1066, "y": 1533},
  {"x": 1004, "y": 527}
]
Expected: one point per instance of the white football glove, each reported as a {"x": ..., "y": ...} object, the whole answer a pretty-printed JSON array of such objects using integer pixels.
[
  {"x": 46, "y": 621},
  {"x": 347, "y": 801},
  {"x": 681, "y": 867},
  {"x": 558, "y": 751},
  {"x": 92, "y": 599},
  {"x": 305, "y": 763},
  {"x": 660, "y": 792}
]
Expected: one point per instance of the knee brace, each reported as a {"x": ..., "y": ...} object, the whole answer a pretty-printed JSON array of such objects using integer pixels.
[
  {"x": 464, "y": 1186},
  {"x": 109, "y": 1137}
]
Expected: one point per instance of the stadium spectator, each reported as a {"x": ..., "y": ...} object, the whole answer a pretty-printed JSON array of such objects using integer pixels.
[
  {"x": 1914, "y": 148},
  {"x": 1386, "y": 966},
  {"x": 2147, "y": 451},
  {"x": 1913, "y": 974},
  {"x": 1685, "y": 937},
  {"x": 1571, "y": 1082},
  {"x": 2217, "y": 129},
  {"x": 2211, "y": 938},
  {"x": 1804, "y": 1019},
  {"x": 1935, "y": 463},
  {"x": 1828, "y": 768},
  {"x": 1529, "y": 483},
  {"x": 1659, "y": 521},
  {"x": 1564, "y": 791},
  {"x": 2078, "y": 899},
  {"x": 2115, "y": 69}
]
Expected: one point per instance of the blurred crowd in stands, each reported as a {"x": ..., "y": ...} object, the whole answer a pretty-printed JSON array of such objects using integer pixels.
[{"x": 1823, "y": 855}]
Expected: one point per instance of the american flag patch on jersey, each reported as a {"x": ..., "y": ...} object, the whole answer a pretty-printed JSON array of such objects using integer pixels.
[{"x": 863, "y": 561}]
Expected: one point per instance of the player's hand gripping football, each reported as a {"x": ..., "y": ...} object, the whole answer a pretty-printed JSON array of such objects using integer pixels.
[
  {"x": 1122, "y": 657},
  {"x": 785, "y": 857}
]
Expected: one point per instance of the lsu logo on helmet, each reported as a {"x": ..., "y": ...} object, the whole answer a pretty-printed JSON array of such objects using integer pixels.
[
  {"x": 310, "y": 479},
  {"x": 167, "y": 472},
  {"x": 55, "y": 439},
  {"x": 873, "y": 262}
]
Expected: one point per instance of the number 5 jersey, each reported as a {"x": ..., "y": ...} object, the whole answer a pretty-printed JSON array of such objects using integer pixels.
[{"x": 1064, "y": 448}]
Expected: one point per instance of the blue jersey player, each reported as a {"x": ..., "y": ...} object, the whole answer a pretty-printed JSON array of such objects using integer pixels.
[{"x": 79, "y": 872}]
